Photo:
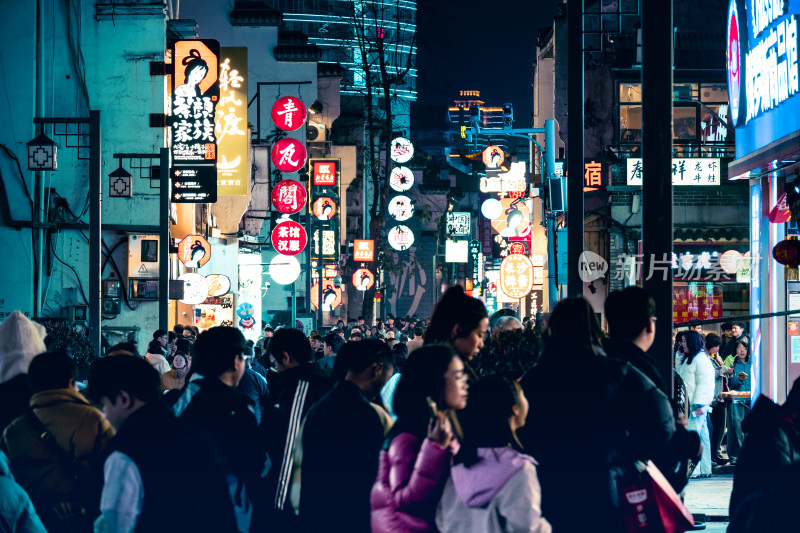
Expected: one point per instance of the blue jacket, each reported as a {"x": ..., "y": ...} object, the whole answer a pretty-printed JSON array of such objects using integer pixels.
[
  {"x": 734, "y": 382},
  {"x": 17, "y": 514}
]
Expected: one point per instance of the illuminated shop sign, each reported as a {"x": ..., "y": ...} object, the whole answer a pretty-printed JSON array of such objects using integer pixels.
[
  {"x": 594, "y": 175},
  {"x": 493, "y": 156},
  {"x": 289, "y": 155},
  {"x": 402, "y": 150},
  {"x": 513, "y": 180},
  {"x": 289, "y": 113},
  {"x": 363, "y": 279},
  {"x": 763, "y": 71},
  {"x": 195, "y": 96},
  {"x": 401, "y": 179},
  {"x": 289, "y": 238},
  {"x": 401, "y": 208},
  {"x": 288, "y": 196},
  {"x": 364, "y": 250},
  {"x": 325, "y": 172},
  {"x": 459, "y": 224},
  {"x": 231, "y": 123},
  {"x": 685, "y": 171}
]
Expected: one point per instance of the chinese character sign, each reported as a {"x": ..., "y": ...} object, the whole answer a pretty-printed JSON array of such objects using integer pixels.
[
  {"x": 400, "y": 237},
  {"x": 516, "y": 276},
  {"x": 194, "y": 251},
  {"x": 194, "y": 98},
  {"x": 459, "y": 224},
  {"x": 401, "y": 208},
  {"x": 363, "y": 279},
  {"x": 401, "y": 179},
  {"x": 401, "y": 150},
  {"x": 325, "y": 172},
  {"x": 289, "y": 113},
  {"x": 511, "y": 181},
  {"x": 288, "y": 196},
  {"x": 592, "y": 176},
  {"x": 230, "y": 124},
  {"x": 289, "y": 238},
  {"x": 324, "y": 208},
  {"x": 685, "y": 171},
  {"x": 364, "y": 250},
  {"x": 289, "y": 155},
  {"x": 696, "y": 300}
]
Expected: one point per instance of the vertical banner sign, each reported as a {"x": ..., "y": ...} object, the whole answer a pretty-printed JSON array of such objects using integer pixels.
[
  {"x": 195, "y": 95},
  {"x": 231, "y": 123},
  {"x": 324, "y": 175}
]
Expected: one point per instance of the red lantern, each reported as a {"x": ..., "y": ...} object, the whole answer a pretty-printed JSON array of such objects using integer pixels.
[
  {"x": 289, "y": 238},
  {"x": 289, "y": 155},
  {"x": 289, "y": 113},
  {"x": 289, "y": 196}
]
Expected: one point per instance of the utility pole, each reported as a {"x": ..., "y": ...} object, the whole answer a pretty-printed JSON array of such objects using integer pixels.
[
  {"x": 657, "y": 64},
  {"x": 575, "y": 135}
]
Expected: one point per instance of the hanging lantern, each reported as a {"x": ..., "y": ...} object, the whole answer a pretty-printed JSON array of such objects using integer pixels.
[
  {"x": 787, "y": 253},
  {"x": 42, "y": 153}
]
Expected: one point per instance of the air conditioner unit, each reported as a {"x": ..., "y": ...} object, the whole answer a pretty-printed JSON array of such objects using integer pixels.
[{"x": 316, "y": 133}]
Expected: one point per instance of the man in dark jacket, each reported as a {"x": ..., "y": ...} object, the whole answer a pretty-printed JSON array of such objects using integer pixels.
[
  {"x": 140, "y": 478},
  {"x": 297, "y": 385},
  {"x": 342, "y": 438},
  {"x": 590, "y": 417},
  {"x": 632, "y": 330},
  {"x": 771, "y": 444},
  {"x": 213, "y": 404}
]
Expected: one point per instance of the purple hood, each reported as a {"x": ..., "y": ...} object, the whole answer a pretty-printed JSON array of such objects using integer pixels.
[{"x": 479, "y": 484}]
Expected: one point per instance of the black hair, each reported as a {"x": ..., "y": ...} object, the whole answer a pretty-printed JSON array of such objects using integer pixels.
[
  {"x": 216, "y": 350},
  {"x": 485, "y": 419},
  {"x": 741, "y": 325},
  {"x": 124, "y": 347},
  {"x": 154, "y": 347},
  {"x": 628, "y": 312},
  {"x": 454, "y": 309},
  {"x": 418, "y": 331},
  {"x": 292, "y": 341},
  {"x": 184, "y": 346},
  {"x": 694, "y": 345},
  {"x": 358, "y": 356},
  {"x": 192, "y": 61},
  {"x": 356, "y": 333},
  {"x": 400, "y": 355},
  {"x": 574, "y": 318},
  {"x": 726, "y": 326},
  {"x": 52, "y": 370},
  {"x": 423, "y": 376},
  {"x": 108, "y": 376},
  {"x": 270, "y": 329},
  {"x": 712, "y": 341},
  {"x": 693, "y": 323},
  {"x": 334, "y": 341},
  {"x": 171, "y": 336},
  {"x": 178, "y": 329},
  {"x": 747, "y": 347},
  {"x": 159, "y": 333}
]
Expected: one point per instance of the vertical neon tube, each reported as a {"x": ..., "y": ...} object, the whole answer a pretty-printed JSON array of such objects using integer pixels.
[{"x": 755, "y": 287}]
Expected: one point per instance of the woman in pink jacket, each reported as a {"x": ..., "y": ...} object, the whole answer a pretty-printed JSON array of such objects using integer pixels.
[{"x": 415, "y": 460}]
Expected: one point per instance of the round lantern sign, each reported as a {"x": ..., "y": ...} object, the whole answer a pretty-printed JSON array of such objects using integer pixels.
[
  {"x": 400, "y": 207},
  {"x": 195, "y": 288},
  {"x": 284, "y": 269},
  {"x": 400, "y": 237},
  {"x": 324, "y": 208},
  {"x": 218, "y": 284},
  {"x": 194, "y": 251},
  {"x": 363, "y": 279},
  {"x": 491, "y": 208},
  {"x": 331, "y": 295},
  {"x": 289, "y": 155},
  {"x": 289, "y": 113},
  {"x": 288, "y": 196},
  {"x": 516, "y": 276},
  {"x": 289, "y": 238},
  {"x": 402, "y": 150},
  {"x": 493, "y": 156},
  {"x": 401, "y": 179}
]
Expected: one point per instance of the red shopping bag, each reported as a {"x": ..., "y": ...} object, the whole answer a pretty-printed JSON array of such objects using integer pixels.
[{"x": 649, "y": 504}]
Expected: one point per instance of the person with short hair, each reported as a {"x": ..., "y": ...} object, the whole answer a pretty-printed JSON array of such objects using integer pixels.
[
  {"x": 139, "y": 477},
  {"x": 122, "y": 348},
  {"x": 738, "y": 334},
  {"x": 162, "y": 337},
  {"x": 297, "y": 385},
  {"x": 416, "y": 341},
  {"x": 342, "y": 436},
  {"x": 213, "y": 404},
  {"x": 57, "y": 449},
  {"x": 506, "y": 323},
  {"x": 331, "y": 346},
  {"x": 155, "y": 356},
  {"x": 738, "y": 380},
  {"x": 717, "y": 416}
]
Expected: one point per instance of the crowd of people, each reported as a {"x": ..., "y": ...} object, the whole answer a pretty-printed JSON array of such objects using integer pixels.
[{"x": 395, "y": 427}]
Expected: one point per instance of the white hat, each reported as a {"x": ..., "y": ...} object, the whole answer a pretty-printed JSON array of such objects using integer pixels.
[{"x": 21, "y": 340}]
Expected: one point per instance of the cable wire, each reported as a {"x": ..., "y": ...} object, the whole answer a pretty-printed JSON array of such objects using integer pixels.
[{"x": 80, "y": 285}]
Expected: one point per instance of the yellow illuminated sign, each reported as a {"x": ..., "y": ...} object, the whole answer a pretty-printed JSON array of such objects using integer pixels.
[
  {"x": 231, "y": 123},
  {"x": 463, "y": 132}
]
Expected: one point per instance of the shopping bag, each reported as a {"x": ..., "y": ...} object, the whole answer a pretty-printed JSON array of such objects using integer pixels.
[{"x": 649, "y": 504}]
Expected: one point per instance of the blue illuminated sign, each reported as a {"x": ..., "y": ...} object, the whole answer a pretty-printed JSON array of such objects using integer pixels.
[{"x": 763, "y": 71}]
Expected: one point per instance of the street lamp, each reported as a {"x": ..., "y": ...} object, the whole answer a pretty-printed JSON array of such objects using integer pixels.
[
  {"x": 42, "y": 153},
  {"x": 119, "y": 183}
]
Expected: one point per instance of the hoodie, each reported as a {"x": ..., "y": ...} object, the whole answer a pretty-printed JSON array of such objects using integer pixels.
[
  {"x": 17, "y": 514},
  {"x": 500, "y": 493}
]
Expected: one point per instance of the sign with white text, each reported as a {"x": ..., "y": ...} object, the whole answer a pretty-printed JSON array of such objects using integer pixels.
[
  {"x": 685, "y": 171},
  {"x": 230, "y": 123}
]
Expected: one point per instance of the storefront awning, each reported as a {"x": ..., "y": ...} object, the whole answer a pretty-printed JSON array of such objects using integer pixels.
[{"x": 781, "y": 157}]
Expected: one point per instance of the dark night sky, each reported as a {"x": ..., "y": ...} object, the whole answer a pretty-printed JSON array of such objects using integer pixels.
[{"x": 487, "y": 46}]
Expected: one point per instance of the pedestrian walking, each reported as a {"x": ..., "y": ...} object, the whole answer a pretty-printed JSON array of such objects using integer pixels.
[
  {"x": 144, "y": 490},
  {"x": 590, "y": 417},
  {"x": 697, "y": 373},
  {"x": 342, "y": 436},
  {"x": 493, "y": 486},
  {"x": 416, "y": 455}
]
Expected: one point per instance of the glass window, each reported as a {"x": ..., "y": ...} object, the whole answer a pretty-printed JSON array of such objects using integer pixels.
[
  {"x": 630, "y": 92},
  {"x": 630, "y": 123},
  {"x": 684, "y": 123},
  {"x": 685, "y": 91},
  {"x": 714, "y": 92}
]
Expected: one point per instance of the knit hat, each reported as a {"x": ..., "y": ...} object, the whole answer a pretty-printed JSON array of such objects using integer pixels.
[{"x": 21, "y": 340}]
